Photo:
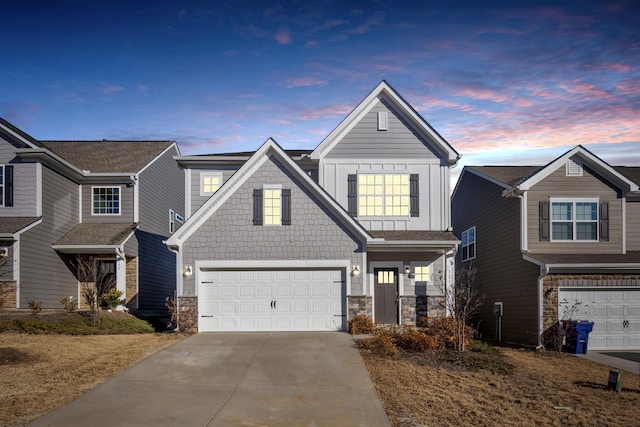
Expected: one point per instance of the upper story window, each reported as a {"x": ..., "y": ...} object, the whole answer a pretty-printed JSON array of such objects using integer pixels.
[
  {"x": 210, "y": 182},
  {"x": 6, "y": 185},
  {"x": 272, "y": 206},
  {"x": 383, "y": 195},
  {"x": 468, "y": 245},
  {"x": 574, "y": 220},
  {"x": 105, "y": 200}
]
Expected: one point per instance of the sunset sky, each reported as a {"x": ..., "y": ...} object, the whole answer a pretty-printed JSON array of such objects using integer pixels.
[{"x": 504, "y": 84}]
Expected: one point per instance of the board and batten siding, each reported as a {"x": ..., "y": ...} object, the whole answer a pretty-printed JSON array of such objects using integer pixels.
[
  {"x": 43, "y": 274},
  {"x": 126, "y": 205},
  {"x": 161, "y": 189},
  {"x": 502, "y": 273},
  {"x": 558, "y": 185},
  {"x": 434, "y": 198},
  {"x": 195, "y": 173},
  {"x": 229, "y": 233},
  {"x": 399, "y": 141},
  {"x": 633, "y": 225}
]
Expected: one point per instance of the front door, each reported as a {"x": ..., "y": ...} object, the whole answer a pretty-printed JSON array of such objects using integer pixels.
[{"x": 386, "y": 295}]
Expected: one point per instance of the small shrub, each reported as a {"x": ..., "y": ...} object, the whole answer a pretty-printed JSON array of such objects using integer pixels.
[
  {"x": 35, "y": 306},
  {"x": 445, "y": 331},
  {"x": 68, "y": 304},
  {"x": 484, "y": 348},
  {"x": 127, "y": 325},
  {"x": 361, "y": 324},
  {"x": 382, "y": 343},
  {"x": 112, "y": 298},
  {"x": 77, "y": 324},
  {"x": 415, "y": 340},
  {"x": 422, "y": 322}
]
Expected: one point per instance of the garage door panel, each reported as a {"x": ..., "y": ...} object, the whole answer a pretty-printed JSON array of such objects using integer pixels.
[
  {"x": 615, "y": 313},
  {"x": 271, "y": 300}
]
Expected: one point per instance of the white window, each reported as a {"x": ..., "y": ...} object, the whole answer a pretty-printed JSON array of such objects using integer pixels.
[
  {"x": 383, "y": 195},
  {"x": 468, "y": 245},
  {"x": 272, "y": 206},
  {"x": 210, "y": 182},
  {"x": 105, "y": 200},
  {"x": 386, "y": 277},
  {"x": 574, "y": 220},
  {"x": 422, "y": 273},
  {"x": 172, "y": 221}
]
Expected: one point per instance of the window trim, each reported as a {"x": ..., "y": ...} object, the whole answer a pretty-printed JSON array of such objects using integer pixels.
[
  {"x": 421, "y": 264},
  {"x": 204, "y": 175},
  {"x": 172, "y": 221},
  {"x": 574, "y": 221},
  {"x": 266, "y": 187},
  {"x": 384, "y": 195},
  {"x": 93, "y": 213},
  {"x": 474, "y": 243},
  {"x": 2, "y": 185}
]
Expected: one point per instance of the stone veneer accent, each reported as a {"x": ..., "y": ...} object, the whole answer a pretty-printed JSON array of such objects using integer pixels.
[
  {"x": 552, "y": 282},
  {"x": 132, "y": 283},
  {"x": 8, "y": 294},
  {"x": 188, "y": 314},
  {"x": 359, "y": 304},
  {"x": 408, "y": 315}
]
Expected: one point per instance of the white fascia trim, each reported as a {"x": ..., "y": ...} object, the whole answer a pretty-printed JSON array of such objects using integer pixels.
[
  {"x": 173, "y": 145},
  {"x": 586, "y": 266},
  {"x": 267, "y": 264},
  {"x": 524, "y": 238},
  {"x": 187, "y": 192},
  {"x": 18, "y": 136},
  {"x": 87, "y": 249},
  {"x": 364, "y": 107},
  {"x": 561, "y": 161},
  {"x": 624, "y": 225},
  {"x": 135, "y": 179},
  {"x": 27, "y": 228},
  {"x": 80, "y": 203}
]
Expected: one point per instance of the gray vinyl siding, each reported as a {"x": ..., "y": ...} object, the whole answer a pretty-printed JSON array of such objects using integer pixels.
[
  {"x": 25, "y": 184},
  {"x": 229, "y": 233},
  {"x": 633, "y": 226},
  {"x": 558, "y": 185},
  {"x": 364, "y": 140},
  {"x": 7, "y": 151},
  {"x": 43, "y": 273},
  {"x": 126, "y": 205},
  {"x": 195, "y": 173},
  {"x": 502, "y": 273},
  {"x": 161, "y": 188}
]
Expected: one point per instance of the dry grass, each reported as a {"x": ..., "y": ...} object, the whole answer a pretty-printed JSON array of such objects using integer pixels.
[
  {"x": 544, "y": 389},
  {"x": 41, "y": 372}
]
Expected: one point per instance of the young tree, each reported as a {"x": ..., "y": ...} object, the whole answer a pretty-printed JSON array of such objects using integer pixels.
[
  {"x": 463, "y": 302},
  {"x": 94, "y": 282}
]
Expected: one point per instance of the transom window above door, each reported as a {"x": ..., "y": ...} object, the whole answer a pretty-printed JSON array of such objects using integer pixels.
[{"x": 386, "y": 277}]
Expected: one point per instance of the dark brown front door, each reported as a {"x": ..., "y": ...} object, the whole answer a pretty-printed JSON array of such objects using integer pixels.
[{"x": 386, "y": 295}]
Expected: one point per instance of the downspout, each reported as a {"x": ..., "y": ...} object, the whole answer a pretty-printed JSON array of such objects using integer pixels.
[{"x": 178, "y": 281}]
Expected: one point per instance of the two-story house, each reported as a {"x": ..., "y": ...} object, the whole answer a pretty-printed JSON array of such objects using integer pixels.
[
  {"x": 553, "y": 242},
  {"x": 111, "y": 201},
  {"x": 304, "y": 240}
]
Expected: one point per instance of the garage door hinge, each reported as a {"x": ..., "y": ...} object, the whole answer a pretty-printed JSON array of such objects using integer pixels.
[
  {"x": 339, "y": 315},
  {"x": 204, "y": 315},
  {"x": 339, "y": 281},
  {"x": 206, "y": 282}
]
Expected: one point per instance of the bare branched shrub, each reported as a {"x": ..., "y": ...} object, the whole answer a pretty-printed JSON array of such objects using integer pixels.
[
  {"x": 182, "y": 317},
  {"x": 68, "y": 304},
  {"x": 361, "y": 324},
  {"x": 561, "y": 331},
  {"x": 35, "y": 306},
  {"x": 95, "y": 282}
]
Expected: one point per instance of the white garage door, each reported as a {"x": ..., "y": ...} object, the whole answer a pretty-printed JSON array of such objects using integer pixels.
[
  {"x": 272, "y": 300},
  {"x": 615, "y": 313}
]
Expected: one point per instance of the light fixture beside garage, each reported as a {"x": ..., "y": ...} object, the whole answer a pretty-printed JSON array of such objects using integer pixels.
[
  {"x": 355, "y": 270},
  {"x": 187, "y": 271}
]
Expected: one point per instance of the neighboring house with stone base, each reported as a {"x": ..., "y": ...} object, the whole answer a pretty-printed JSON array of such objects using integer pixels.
[
  {"x": 553, "y": 242},
  {"x": 305, "y": 240},
  {"x": 111, "y": 201}
]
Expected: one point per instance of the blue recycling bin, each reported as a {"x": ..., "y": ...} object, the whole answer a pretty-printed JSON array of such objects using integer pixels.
[{"x": 583, "y": 329}]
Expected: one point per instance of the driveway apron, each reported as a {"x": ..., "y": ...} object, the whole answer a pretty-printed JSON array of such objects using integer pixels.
[{"x": 236, "y": 379}]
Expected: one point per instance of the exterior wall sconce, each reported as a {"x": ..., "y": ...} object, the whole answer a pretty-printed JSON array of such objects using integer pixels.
[
  {"x": 355, "y": 271},
  {"x": 188, "y": 271},
  {"x": 407, "y": 271}
]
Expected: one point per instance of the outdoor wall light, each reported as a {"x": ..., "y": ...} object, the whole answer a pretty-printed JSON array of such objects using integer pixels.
[
  {"x": 407, "y": 271},
  {"x": 355, "y": 270},
  {"x": 188, "y": 271}
]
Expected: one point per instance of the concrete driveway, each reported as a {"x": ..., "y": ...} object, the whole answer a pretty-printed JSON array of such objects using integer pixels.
[
  {"x": 236, "y": 379},
  {"x": 624, "y": 360}
]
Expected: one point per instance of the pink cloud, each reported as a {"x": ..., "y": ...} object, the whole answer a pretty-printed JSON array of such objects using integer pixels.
[
  {"x": 112, "y": 89},
  {"x": 326, "y": 111},
  {"x": 283, "y": 37},
  {"x": 304, "y": 82}
]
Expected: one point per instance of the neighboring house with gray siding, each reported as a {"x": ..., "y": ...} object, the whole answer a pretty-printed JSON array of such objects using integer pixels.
[
  {"x": 111, "y": 201},
  {"x": 306, "y": 239},
  {"x": 553, "y": 242}
]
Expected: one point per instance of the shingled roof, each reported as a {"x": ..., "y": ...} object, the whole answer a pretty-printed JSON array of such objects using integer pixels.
[
  {"x": 10, "y": 225},
  {"x": 107, "y": 156},
  {"x": 509, "y": 175},
  {"x": 415, "y": 235},
  {"x": 97, "y": 235},
  {"x": 631, "y": 172}
]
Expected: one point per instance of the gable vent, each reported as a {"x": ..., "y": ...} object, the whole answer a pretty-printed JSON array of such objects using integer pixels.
[
  {"x": 574, "y": 167},
  {"x": 383, "y": 120}
]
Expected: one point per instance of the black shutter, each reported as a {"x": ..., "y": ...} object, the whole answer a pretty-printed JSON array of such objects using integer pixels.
[
  {"x": 544, "y": 222},
  {"x": 352, "y": 194},
  {"x": 604, "y": 221},
  {"x": 414, "y": 195},
  {"x": 257, "y": 206},
  {"x": 8, "y": 185},
  {"x": 286, "y": 206}
]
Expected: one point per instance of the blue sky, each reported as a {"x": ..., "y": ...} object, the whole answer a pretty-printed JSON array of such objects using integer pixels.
[{"x": 503, "y": 83}]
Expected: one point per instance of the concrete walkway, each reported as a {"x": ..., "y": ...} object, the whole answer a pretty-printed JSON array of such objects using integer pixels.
[
  {"x": 236, "y": 379},
  {"x": 628, "y": 361}
]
